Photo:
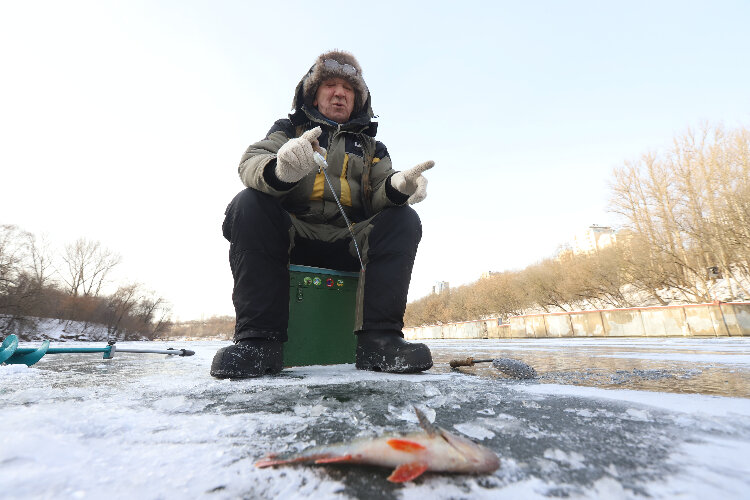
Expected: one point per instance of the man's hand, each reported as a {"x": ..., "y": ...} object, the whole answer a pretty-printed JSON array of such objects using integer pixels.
[
  {"x": 295, "y": 158},
  {"x": 412, "y": 182}
]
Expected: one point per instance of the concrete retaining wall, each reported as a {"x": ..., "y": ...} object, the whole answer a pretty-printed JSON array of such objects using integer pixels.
[
  {"x": 696, "y": 320},
  {"x": 559, "y": 325}
]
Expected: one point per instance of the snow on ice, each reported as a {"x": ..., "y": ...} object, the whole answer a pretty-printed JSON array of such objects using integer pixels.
[{"x": 620, "y": 419}]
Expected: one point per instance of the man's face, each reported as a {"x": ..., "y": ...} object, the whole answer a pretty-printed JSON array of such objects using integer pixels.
[{"x": 335, "y": 99}]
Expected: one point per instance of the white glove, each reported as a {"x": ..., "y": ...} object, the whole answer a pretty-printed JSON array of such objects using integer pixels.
[
  {"x": 295, "y": 158},
  {"x": 412, "y": 182}
]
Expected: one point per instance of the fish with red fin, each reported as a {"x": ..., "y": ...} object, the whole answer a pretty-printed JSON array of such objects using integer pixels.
[{"x": 433, "y": 449}]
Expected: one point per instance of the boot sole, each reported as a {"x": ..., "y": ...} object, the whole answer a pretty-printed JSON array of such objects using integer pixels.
[
  {"x": 379, "y": 366},
  {"x": 221, "y": 374},
  {"x": 229, "y": 363}
]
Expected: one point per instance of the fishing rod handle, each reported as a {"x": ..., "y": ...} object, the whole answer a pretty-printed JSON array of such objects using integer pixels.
[
  {"x": 183, "y": 352},
  {"x": 455, "y": 363}
]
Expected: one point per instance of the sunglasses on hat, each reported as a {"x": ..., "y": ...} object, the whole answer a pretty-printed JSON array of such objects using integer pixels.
[{"x": 333, "y": 65}]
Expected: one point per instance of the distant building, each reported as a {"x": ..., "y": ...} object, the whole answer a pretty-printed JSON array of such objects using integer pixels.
[
  {"x": 563, "y": 251},
  {"x": 440, "y": 287},
  {"x": 593, "y": 239},
  {"x": 487, "y": 274}
]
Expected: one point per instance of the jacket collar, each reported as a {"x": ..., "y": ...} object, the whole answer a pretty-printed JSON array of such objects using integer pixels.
[{"x": 360, "y": 124}]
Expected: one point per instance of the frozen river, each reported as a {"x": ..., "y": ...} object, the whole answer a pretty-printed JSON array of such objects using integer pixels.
[{"x": 607, "y": 418}]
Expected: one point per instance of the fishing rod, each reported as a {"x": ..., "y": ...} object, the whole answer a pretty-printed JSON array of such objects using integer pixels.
[
  {"x": 10, "y": 353},
  {"x": 511, "y": 367}
]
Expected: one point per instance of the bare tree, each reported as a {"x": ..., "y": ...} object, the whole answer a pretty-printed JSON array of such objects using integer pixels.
[
  {"x": 119, "y": 305},
  {"x": 15, "y": 289},
  {"x": 12, "y": 253},
  {"x": 153, "y": 313},
  {"x": 40, "y": 258},
  {"x": 87, "y": 266},
  {"x": 28, "y": 290},
  {"x": 688, "y": 210}
]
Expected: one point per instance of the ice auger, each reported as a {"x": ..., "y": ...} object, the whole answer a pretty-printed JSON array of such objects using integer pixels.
[{"x": 10, "y": 353}]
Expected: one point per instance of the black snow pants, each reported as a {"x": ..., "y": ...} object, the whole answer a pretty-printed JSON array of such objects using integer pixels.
[{"x": 264, "y": 240}]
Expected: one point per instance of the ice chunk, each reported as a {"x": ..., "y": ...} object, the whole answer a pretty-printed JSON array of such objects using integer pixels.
[
  {"x": 13, "y": 369},
  {"x": 431, "y": 391},
  {"x": 474, "y": 431},
  {"x": 639, "y": 415},
  {"x": 573, "y": 459},
  {"x": 408, "y": 414}
]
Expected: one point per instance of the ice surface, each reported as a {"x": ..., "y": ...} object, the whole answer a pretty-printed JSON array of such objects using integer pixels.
[{"x": 150, "y": 426}]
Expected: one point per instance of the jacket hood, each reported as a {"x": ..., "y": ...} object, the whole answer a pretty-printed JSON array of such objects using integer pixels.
[{"x": 304, "y": 94}]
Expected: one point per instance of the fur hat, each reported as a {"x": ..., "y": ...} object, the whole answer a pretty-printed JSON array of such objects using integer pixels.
[{"x": 345, "y": 66}]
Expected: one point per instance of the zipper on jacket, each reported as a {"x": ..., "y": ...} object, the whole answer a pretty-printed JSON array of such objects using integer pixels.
[{"x": 331, "y": 137}]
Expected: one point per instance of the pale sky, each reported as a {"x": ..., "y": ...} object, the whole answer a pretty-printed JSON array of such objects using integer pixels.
[{"x": 124, "y": 122}]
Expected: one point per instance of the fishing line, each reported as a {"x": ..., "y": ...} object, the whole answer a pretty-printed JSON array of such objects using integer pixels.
[{"x": 323, "y": 167}]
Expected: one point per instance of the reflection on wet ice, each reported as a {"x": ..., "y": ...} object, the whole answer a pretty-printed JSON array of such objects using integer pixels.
[{"x": 696, "y": 366}]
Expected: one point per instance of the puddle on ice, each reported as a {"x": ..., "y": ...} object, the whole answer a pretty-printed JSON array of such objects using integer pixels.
[
  {"x": 696, "y": 366},
  {"x": 603, "y": 419}
]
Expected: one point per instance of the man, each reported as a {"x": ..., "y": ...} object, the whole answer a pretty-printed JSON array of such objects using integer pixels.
[{"x": 288, "y": 213}]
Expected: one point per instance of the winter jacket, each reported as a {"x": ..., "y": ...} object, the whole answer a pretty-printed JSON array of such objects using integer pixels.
[{"x": 359, "y": 168}]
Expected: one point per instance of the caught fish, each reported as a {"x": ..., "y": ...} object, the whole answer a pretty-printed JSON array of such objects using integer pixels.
[{"x": 433, "y": 449}]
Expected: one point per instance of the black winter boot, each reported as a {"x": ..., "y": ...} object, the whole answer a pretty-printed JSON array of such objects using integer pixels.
[
  {"x": 387, "y": 351},
  {"x": 248, "y": 358}
]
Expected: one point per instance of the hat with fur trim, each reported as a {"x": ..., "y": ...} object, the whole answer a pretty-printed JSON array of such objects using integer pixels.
[{"x": 336, "y": 64}]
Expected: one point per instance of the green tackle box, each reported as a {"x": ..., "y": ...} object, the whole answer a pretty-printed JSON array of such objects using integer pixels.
[{"x": 322, "y": 305}]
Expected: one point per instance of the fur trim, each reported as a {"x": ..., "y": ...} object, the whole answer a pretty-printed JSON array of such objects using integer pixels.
[{"x": 318, "y": 73}]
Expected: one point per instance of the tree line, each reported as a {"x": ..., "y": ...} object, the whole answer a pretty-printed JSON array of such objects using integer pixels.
[
  {"x": 685, "y": 221},
  {"x": 37, "y": 282},
  {"x": 214, "y": 327}
]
